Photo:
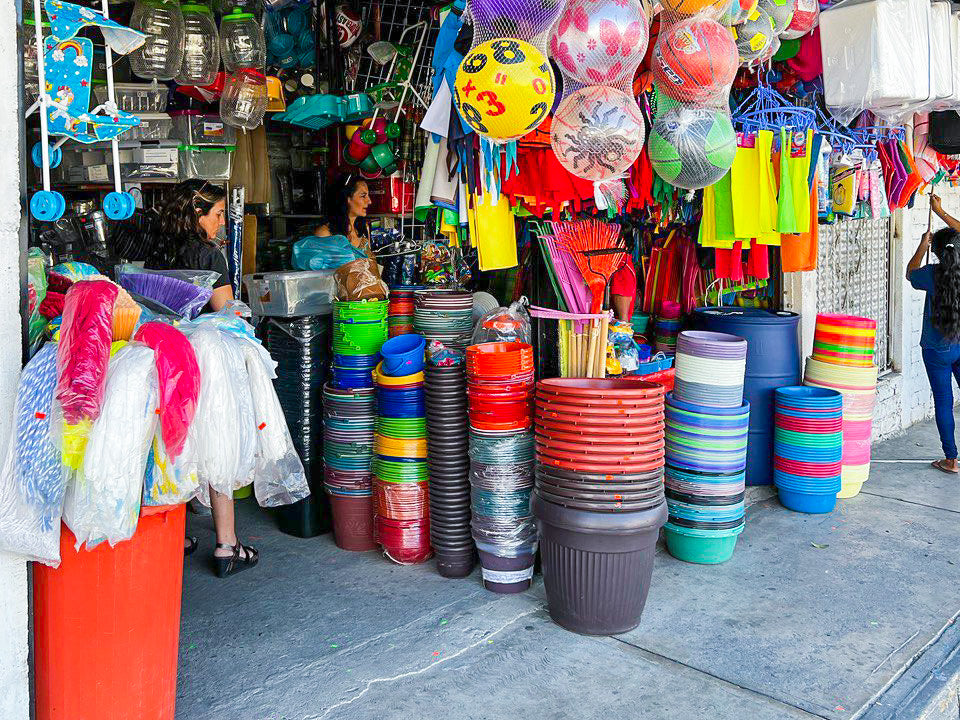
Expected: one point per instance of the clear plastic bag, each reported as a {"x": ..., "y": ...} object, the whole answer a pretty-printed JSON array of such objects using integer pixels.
[
  {"x": 504, "y": 325},
  {"x": 37, "y": 291},
  {"x": 31, "y": 481},
  {"x": 279, "y": 478},
  {"x": 360, "y": 280},
  {"x": 324, "y": 253},
  {"x": 103, "y": 501},
  {"x": 170, "y": 482},
  {"x": 185, "y": 292}
]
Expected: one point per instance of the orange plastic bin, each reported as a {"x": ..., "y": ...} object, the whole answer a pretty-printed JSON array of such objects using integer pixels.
[{"x": 107, "y": 625}]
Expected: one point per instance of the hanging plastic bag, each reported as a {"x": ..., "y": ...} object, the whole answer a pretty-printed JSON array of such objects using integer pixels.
[
  {"x": 83, "y": 352},
  {"x": 170, "y": 482},
  {"x": 504, "y": 325},
  {"x": 223, "y": 428},
  {"x": 103, "y": 502},
  {"x": 31, "y": 481},
  {"x": 279, "y": 478}
]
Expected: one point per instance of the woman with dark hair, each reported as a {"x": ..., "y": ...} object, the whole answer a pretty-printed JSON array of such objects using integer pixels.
[
  {"x": 940, "y": 338},
  {"x": 192, "y": 221},
  {"x": 346, "y": 206}
]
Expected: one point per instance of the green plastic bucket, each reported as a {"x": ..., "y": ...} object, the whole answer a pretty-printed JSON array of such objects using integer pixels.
[
  {"x": 243, "y": 493},
  {"x": 704, "y": 548}
]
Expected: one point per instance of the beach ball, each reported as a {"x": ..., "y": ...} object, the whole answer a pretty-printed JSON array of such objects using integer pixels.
[
  {"x": 695, "y": 61},
  {"x": 754, "y": 36},
  {"x": 692, "y": 147},
  {"x": 598, "y": 132},
  {"x": 805, "y": 19},
  {"x": 601, "y": 42},
  {"x": 710, "y": 8},
  {"x": 739, "y": 11},
  {"x": 781, "y": 12},
  {"x": 514, "y": 18},
  {"x": 504, "y": 89}
]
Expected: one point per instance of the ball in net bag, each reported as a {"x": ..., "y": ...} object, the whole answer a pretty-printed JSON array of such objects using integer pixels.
[
  {"x": 708, "y": 8},
  {"x": 522, "y": 19},
  {"x": 600, "y": 42},
  {"x": 754, "y": 36},
  {"x": 781, "y": 12},
  {"x": 739, "y": 11},
  {"x": 504, "y": 89},
  {"x": 597, "y": 132},
  {"x": 804, "y": 20},
  {"x": 695, "y": 61},
  {"x": 692, "y": 147}
]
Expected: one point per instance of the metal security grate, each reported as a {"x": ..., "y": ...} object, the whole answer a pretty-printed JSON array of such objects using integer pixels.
[{"x": 853, "y": 275}]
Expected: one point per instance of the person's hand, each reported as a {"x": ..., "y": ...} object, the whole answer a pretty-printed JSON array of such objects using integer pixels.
[
  {"x": 927, "y": 239},
  {"x": 936, "y": 204}
]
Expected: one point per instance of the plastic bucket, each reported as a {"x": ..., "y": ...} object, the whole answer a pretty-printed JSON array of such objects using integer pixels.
[
  {"x": 403, "y": 355},
  {"x": 506, "y": 575},
  {"x": 704, "y": 548},
  {"x": 353, "y": 523},
  {"x": 813, "y": 504}
]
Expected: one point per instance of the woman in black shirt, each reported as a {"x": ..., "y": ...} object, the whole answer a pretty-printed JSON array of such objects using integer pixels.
[{"x": 192, "y": 223}]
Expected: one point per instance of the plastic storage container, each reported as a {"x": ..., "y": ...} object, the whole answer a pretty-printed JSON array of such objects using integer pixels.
[
  {"x": 244, "y": 100},
  {"x": 153, "y": 126},
  {"x": 136, "y": 97},
  {"x": 161, "y": 56},
  {"x": 107, "y": 624},
  {"x": 196, "y": 128},
  {"x": 242, "y": 42},
  {"x": 201, "y": 47},
  {"x": 291, "y": 294},
  {"x": 206, "y": 163}
]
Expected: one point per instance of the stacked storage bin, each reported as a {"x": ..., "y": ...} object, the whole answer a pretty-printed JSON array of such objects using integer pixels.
[
  {"x": 707, "y": 427},
  {"x": 499, "y": 390},
  {"x": 401, "y": 476}
]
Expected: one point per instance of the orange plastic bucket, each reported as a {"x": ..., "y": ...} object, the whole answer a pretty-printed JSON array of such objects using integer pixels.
[{"x": 107, "y": 624}]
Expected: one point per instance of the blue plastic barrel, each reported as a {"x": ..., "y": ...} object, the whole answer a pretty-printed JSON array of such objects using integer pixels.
[{"x": 773, "y": 361}]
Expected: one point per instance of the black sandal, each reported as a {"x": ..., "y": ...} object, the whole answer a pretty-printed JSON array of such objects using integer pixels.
[
  {"x": 226, "y": 566},
  {"x": 192, "y": 544}
]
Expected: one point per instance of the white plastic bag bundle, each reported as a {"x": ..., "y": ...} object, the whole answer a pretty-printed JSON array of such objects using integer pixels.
[
  {"x": 279, "y": 478},
  {"x": 103, "y": 501},
  {"x": 31, "y": 481},
  {"x": 170, "y": 482},
  {"x": 223, "y": 428}
]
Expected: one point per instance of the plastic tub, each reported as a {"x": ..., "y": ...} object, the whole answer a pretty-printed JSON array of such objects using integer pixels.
[
  {"x": 403, "y": 355},
  {"x": 153, "y": 126},
  {"x": 452, "y": 564},
  {"x": 701, "y": 547},
  {"x": 353, "y": 523},
  {"x": 290, "y": 294},
  {"x": 810, "y": 503},
  {"x": 205, "y": 163},
  {"x": 597, "y": 568},
  {"x": 135, "y": 98},
  {"x": 195, "y": 128}
]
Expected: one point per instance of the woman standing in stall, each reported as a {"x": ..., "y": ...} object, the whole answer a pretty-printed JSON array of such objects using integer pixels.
[
  {"x": 192, "y": 224},
  {"x": 940, "y": 339},
  {"x": 346, "y": 206}
]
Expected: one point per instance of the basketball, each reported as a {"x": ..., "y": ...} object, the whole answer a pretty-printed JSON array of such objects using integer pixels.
[
  {"x": 695, "y": 7},
  {"x": 695, "y": 61},
  {"x": 504, "y": 89},
  {"x": 781, "y": 12},
  {"x": 754, "y": 36},
  {"x": 804, "y": 20},
  {"x": 692, "y": 147}
]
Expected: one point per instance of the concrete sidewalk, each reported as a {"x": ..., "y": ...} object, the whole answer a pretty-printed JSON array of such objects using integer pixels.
[{"x": 846, "y": 615}]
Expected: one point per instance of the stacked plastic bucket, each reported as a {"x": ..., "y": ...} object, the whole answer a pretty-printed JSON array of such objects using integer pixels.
[
  {"x": 599, "y": 499},
  {"x": 808, "y": 448},
  {"x": 359, "y": 329},
  {"x": 499, "y": 391},
  {"x": 447, "y": 456},
  {"x": 400, "y": 473},
  {"x": 349, "y": 417},
  {"x": 843, "y": 360},
  {"x": 667, "y": 327},
  {"x": 400, "y": 310},
  {"x": 444, "y": 315},
  {"x": 707, "y": 427}
]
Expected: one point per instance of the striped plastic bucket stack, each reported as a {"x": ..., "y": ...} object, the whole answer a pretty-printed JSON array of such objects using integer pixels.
[
  {"x": 710, "y": 369},
  {"x": 842, "y": 360},
  {"x": 359, "y": 330},
  {"x": 808, "y": 448},
  {"x": 706, "y": 454},
  {"x": 400, "y": 310}
]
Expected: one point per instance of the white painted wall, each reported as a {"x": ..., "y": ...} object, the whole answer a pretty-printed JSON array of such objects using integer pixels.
[{"x": 14, "y": 683}]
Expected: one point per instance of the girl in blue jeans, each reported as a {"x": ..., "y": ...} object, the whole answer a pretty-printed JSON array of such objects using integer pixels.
[{"x": 940, "y": 339}]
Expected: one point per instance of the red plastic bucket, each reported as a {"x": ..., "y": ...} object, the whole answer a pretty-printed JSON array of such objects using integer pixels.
[{"x": 353, "y": 522}]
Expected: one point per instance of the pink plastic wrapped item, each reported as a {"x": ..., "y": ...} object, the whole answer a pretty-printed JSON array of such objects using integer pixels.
[{"x": 179, "y": 378}]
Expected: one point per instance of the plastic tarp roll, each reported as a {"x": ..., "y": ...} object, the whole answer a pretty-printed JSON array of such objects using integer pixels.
[
  {"x": 103, "y": 501},
  {"x": 32, "y": 481}
]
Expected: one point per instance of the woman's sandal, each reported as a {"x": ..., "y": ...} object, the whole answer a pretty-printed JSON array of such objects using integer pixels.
[
  {"x": 226, "y": 566},
  {"x": 942, "y": 467},
  {"x": 190, "y": 546}
]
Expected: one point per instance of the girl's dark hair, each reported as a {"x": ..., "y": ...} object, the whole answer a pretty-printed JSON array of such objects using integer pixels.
[
  {"x": 335, "y": 206},
  {"x": 946, "y": 285},
  {"x": 179, "y": 223}
]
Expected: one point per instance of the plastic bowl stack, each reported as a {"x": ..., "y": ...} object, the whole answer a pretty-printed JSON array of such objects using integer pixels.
[
  {"x": 845, "y": 340},
  {"x": 710, "y": 369},
  {"x": 808, "y": 448},
  {"x": 858, "y": 385},
  {"x": 400, "y": 310},
  {"x": 599, "y": 499},
  {"x": 400, "y": 473},
  {"x": 359, "y": 330},
  {"x": 499, "y": 392},
  {"x": 349, "y": 417},
  {"x": 667, "y": 328},
  {"x": 447, "y": 447},
  {"x": 706, "y": 447},
  {"x": 445, "y": 316}
]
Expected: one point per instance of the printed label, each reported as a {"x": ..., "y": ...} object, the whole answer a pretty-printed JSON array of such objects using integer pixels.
[
  {"x": 212, "y": 129},
  {"x": 507, "y": 577}
]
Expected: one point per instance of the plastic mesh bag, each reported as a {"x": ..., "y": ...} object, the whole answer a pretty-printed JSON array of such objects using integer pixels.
[
  {"x": 31, "y": 481},
  {"x": 103, "y": 501},
  {"x": 279, "y": 478},
  {"x": 692, "y": 147},
  {"x": 504, "y": 325}
]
